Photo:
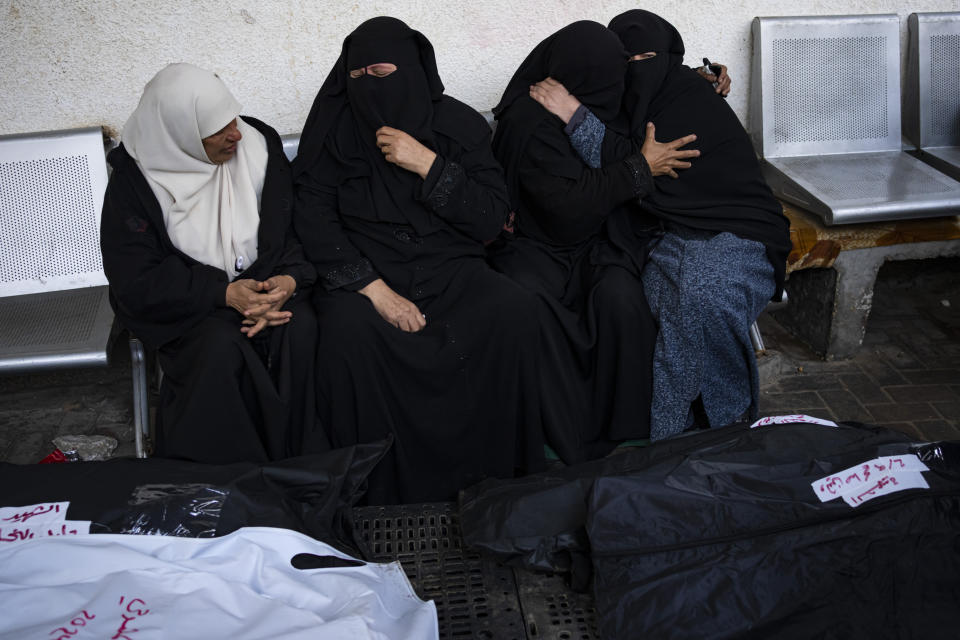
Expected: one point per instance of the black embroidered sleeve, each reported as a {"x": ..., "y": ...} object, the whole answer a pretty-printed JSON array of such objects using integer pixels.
[
  {"x": 642, "y": 178},
  {"x": 450, "y": 176},
  {"x": 348, "y": 275}
]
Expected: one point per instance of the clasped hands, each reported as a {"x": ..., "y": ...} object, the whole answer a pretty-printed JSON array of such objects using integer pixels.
[{"x": 260, "y": 302}]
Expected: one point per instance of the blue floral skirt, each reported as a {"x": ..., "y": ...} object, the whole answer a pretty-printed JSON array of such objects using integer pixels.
[{"x": 705, "y": 290}]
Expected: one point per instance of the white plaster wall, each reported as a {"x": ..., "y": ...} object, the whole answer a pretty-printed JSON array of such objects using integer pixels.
[{"x": 71, "y": 63}]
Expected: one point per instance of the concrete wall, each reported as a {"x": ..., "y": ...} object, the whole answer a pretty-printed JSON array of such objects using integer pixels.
[{"x": 70, "y": 63}]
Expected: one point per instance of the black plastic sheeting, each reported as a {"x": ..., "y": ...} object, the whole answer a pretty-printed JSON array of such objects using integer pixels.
[
  {"x": 720, "y": 535},
  {"x": 310, "y": 494}
]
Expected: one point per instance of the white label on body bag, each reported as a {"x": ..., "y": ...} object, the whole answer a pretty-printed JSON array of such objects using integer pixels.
[
  {"x": 872, "y": 479},
  {"x": 791, "y": 420},
  {"x": 44, "y": 520}
]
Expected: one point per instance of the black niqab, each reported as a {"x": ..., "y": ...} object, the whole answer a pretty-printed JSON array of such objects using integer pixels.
[
  {"x": 347, "y": 113},
  {"x": 642, "y": 32},
  {"x": 585, "y": 57},
  {"x": 723, "y": 190},
  {"x": 588, "y": 59}
]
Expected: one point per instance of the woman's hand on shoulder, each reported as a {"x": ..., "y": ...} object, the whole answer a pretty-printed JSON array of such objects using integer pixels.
[
  {"x": 393, "y": 307},
  {"x": 723, "y": 79},
  {"x": 664, "y": 158},
  {"x": 555, "y": 98},
  {"x": 405, "y": 151}
]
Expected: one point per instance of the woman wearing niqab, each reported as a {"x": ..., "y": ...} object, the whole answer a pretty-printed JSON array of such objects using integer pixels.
[
  {"x": 198, "y": 248},
  {"x": 579, "y": 245},
  {"x": 397, "y": 191},
  {"x": 720, "y": 251}
]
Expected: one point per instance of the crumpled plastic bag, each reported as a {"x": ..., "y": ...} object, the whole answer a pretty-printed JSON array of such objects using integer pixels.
[{"x": 87, "y": 448}]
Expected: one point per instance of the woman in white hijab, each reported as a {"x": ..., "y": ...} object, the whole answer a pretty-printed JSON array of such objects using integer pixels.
[{"x": 203, "y": 266}]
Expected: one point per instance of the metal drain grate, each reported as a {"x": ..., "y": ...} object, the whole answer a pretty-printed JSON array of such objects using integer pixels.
[
  {"x": 553, "y": 611},
  {"x": 475, "y": 598}
]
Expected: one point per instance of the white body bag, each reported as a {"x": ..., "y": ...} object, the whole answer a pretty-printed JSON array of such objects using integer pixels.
[{"x": 240, "y": 586}]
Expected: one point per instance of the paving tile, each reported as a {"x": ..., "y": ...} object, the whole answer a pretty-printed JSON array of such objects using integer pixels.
[
  {"x": 806, "y": 382},
  {"x": 836, "y": 367},
  {"x": 948, "y": 410},
  {"x": 905, "y": 412},
  {"x": 844, "y": 405},
  {"x": 874, "y": 338},
  {"x": 864, "y": 388},
  {"x": 76, "y": 422},
  {"x": 31, "y": 447},
  {"x": 920, "y": 393},
  {"x": 789, "y": 402},
  {"x": 903, "y": 427},
  {"x": 932, "y": 376},
  {"x": 938, "y": 429},
  {"x": 898, "y": 356},
  {"x": 879, "y": 370}
]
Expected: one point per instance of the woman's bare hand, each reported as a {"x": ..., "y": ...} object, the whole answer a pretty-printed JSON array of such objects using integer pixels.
[
  {"x": 251, "y": 297},
  {"x": 272, "y": 318},
  {"x": 723, "y": 80},
  {"x": 393, "y": 307},
  {"x": 665, "y": 157},
  {"x": 555, "y": 98},
  {"x": 262, "y": 316},
  {"x": 282, "y": 283},
  {"x": 405, "y": 151}
]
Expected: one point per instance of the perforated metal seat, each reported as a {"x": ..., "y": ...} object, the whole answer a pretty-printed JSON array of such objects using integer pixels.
[
  {"x": 931, "y": 105},
  {"x": 825, "y": 116},
  {"x": 54, "y": 309},
  {"x": 54, "y": 303}
]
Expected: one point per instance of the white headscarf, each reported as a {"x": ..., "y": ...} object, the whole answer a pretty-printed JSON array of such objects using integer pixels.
[{"x": 211, "y": 211}]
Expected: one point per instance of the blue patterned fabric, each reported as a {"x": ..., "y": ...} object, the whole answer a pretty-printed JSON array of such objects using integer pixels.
[
  {"x": 705, "y": 290},
  {"x": 586, "y": 133}
]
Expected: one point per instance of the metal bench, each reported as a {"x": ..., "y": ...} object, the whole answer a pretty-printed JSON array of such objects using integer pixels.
[
  {"x": 825, "y": 117},
  {"x": 54, "y": 307},
  {"x": 931, "y": 103}
]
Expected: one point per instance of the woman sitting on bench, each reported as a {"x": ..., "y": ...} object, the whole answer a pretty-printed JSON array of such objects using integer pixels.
[
  {"x": 397, "y": 190},
  {"x": 720, "y": 254},
  {"x": 579, "y": 244},
  {"x": 198, "y": 248}
]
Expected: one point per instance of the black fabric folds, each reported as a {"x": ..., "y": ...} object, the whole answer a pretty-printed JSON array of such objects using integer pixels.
[
  {"x": 580, "y": 246},
  {"x": 159, "y": 292},
  {"x": 590, "y": 62},
  {"x": 460, "y": 395},
  {"x": 310, "y": 494},
  {"x": 225, "y": 397},
  {"x": 721, "y": 535},
  {"x": 339, "y": 138},
  {"x": 723, "y": 190}
]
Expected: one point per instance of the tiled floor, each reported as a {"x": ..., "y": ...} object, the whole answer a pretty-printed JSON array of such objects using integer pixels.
[{"x": 906, "y": 375}]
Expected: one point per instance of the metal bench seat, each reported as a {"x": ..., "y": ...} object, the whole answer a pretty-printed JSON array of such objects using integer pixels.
[
  {"x": 56, "y": 330},
  {"x": 825, "y": 116},
  {"x": 54, "y": 308},
  {"x": 931, "y": 104},
  {"x": 864, "y": 187}
]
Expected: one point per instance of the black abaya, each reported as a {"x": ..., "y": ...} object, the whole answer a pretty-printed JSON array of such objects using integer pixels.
[
  {"x": 723, "y": 190},
  {"x": 224, "y": 397},
  {"x": 460, "y": 395},
  {"x": 579, "y": 246}
]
